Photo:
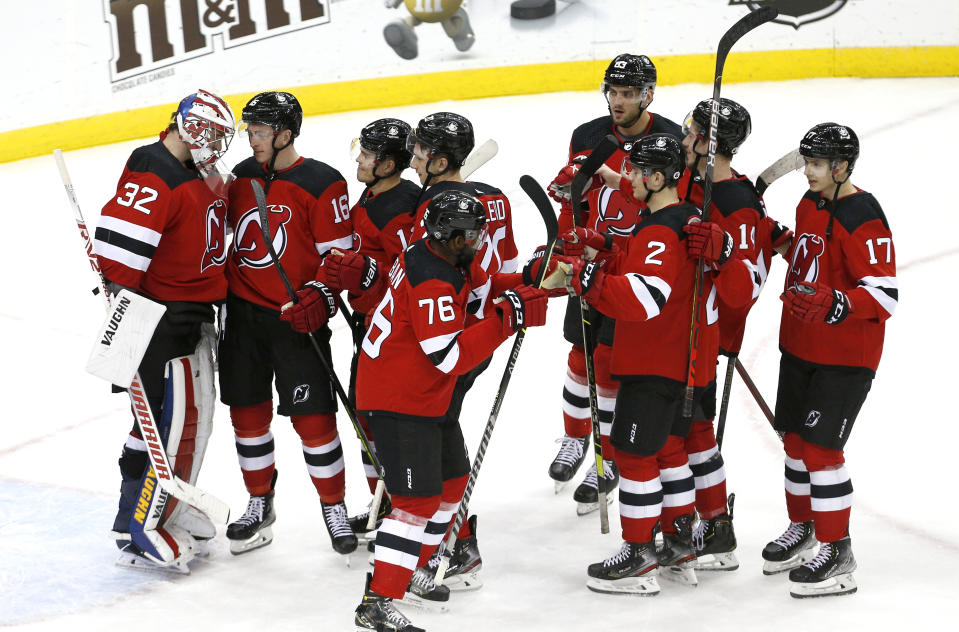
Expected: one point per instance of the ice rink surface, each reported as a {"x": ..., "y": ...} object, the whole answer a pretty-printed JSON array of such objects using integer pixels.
[{"x": 63, "y": 430}]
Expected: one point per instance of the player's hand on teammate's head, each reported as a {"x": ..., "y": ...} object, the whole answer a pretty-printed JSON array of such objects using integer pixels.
[{"x": 315, "y": 305}]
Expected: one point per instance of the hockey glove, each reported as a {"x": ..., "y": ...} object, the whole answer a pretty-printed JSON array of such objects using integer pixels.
[
  {"x": 350, "y": 270},
  {"x": 709, "y": 241},
  {"x": 585, "y": 278},
  {"x": 521, "y": 307},
  {"x": 315, "y": 305},
  {"x": 780, "y": 236},
  {"x": 817, "y": 303},
  {"x": 532, "y": 268},
  {"x": 586, "y": 242},
  {"x": 559, "y": 188}
]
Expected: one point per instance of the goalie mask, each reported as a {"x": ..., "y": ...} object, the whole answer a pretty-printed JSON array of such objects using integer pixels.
[{"x": 206, "y": 124}]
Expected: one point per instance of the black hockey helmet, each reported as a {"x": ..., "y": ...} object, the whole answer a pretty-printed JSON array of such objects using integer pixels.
[
  {"x": 734, "y": 124},
  {"x": 386, "y": 137},
  {"x": 444, "y": 133},
  {"x": 452, "y": 212},
  {"x": 279, "y": 110},
  {"x": 636, "y": 71},
  {"x": 832, "y": 141},
  {"x": 659, "y": 152}
]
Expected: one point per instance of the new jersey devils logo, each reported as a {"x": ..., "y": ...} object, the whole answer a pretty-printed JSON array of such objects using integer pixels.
[
  {"x": 795, "y": 13},
  {"x": 215, "y": 253},
  {"x": 805, "y": 263},
  {"x": 248, "y": 246}
]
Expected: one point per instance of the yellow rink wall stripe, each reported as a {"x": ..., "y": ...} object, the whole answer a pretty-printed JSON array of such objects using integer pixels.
[{"x": 919, "y": 61}]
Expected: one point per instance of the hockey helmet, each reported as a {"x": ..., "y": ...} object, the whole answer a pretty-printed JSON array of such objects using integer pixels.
[
  {"x": 637, "y": 71},
  {"x": 443, "y": 133},
  {"x": 734, "y": 126},
  {"x": 658, "y": 152},
  {"x": 386, "y": 137},
  {"x": 205, "y": 123},
  {"x": 455, "y": 212},
  {"x": 279, "y": 110},
  {"x": 833, "y": 141}
]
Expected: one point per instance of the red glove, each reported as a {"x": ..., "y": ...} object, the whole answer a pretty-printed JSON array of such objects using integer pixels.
[
  {"x": 779, "y": 235},
  {"x": 575, "y": 241},
  {"x": 522, "y": 307},
  {"x": 315, "y": 305},
  {"x": 709, "y": 241},
  {"x": 532, "y": 267},
  {"x": 350, "y": 271},
  {"x": 817, "y": 303},
  {"x": 559, "y": 188},
  {"x": 585, "y": 278}
]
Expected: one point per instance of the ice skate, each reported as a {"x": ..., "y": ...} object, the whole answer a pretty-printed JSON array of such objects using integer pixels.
[
  {"x": 462, "y": 574},
  {"x": 632, "y": 571},
  {"x": 253, "y": 529},
  {"x": 715, "y": 542},
  {"x": 378, "y": 613},
  {"x": 827, "y": 574},
  {"x": 132, "y": 557},
  {"x": 338, "y": 526},
  {"x": 794, "y": 547},
  {"x": 587, "y": 495},
  {"x": 358, "y": 523},
  {"x": 424, "y": 593},
  {"x": 401, "y": 38},
  {"x": 457, "y": 26},
  {"x": 677, "y": 557},
  {"x": 572, "y": 452}
]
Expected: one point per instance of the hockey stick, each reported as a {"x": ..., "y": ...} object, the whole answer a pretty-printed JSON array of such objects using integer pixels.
[
  {"x": 538, "y": 195},
  {"x": 757, "y": 396},
  {"x": 216, "y": 509},
  {"x": 264, "y": 216},
  {"x": 606, "y": 147},
  {"x": 479, "y": 157},
  {"x": 733, "y": 35},
  {"x": 787, "y": 164}
]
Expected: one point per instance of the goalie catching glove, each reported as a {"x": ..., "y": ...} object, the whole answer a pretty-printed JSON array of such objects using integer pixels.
[
  {"x": 817, "y": 303},
  {"x": 315, "y": 305},
  {"x": 522, "y": 307}
]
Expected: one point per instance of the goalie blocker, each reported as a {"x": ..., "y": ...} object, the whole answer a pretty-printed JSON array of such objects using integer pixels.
[{"x": 153, "y": 528}]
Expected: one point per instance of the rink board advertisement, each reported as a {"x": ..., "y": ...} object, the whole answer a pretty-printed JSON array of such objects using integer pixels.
[{"x": 110, "y": 70}]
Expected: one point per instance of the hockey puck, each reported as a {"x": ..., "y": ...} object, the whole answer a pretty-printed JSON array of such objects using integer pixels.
[{"x": 532, "y": 9}]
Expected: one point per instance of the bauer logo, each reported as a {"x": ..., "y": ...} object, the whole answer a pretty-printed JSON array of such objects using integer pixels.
[
  {"x": 150, "y": 34},
  {"x": 795, "y": 13}
]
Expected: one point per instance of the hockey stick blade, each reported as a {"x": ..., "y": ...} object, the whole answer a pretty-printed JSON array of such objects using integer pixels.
[
  {"x": 747, "y": 23},
  {"x": 479, "y": 157},
  {"x": 605, "y": 148},
  {"x": 787, "y": 164}
]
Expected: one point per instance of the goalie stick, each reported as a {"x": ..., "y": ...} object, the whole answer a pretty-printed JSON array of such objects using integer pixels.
[
  {"x": 216, "y": 509},
  {"x": 545, "y": 208},
  {"x": 787, "y": 164},
  {"x": 606, "y": 147},
  {"x": 264, "y": 215},
  {"x": 733, "y": 35}
]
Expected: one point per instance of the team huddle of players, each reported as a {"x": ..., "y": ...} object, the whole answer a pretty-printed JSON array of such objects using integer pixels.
[{"x": 433, "y": 280}]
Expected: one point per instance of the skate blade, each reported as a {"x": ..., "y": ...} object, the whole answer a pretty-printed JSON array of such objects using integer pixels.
[
  {"x": 262, "y": 538},
  {"x": 464, "y": 582},
  {"x": 129, "y": 560},
  {"x": 716, "y": 562},
  {"x": 683, "y": 574},
  {"x": 583, "y": 509},
  {"x": 415, "y": 601},
  {"x": 843, "y": 584},
  {"x": 366, "y": 538},
  {"x": 644, "y": 586},
  {"x": 773, "y": 568},
  {"x": 559, "y": 486}
]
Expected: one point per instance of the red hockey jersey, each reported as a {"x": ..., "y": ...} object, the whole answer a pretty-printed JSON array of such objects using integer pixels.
[
  {"x": 163, "y": 233},
  {"x": 498, "y": 253},
  {"x": 382, "y": 222},
  {"x": 737, "y": 208},
  {"x": 859, "y": 259},
  {"x": 309, "y": 214},
  {"x": 648, "y": 288},
  {"x": 433, "y": 324}
]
